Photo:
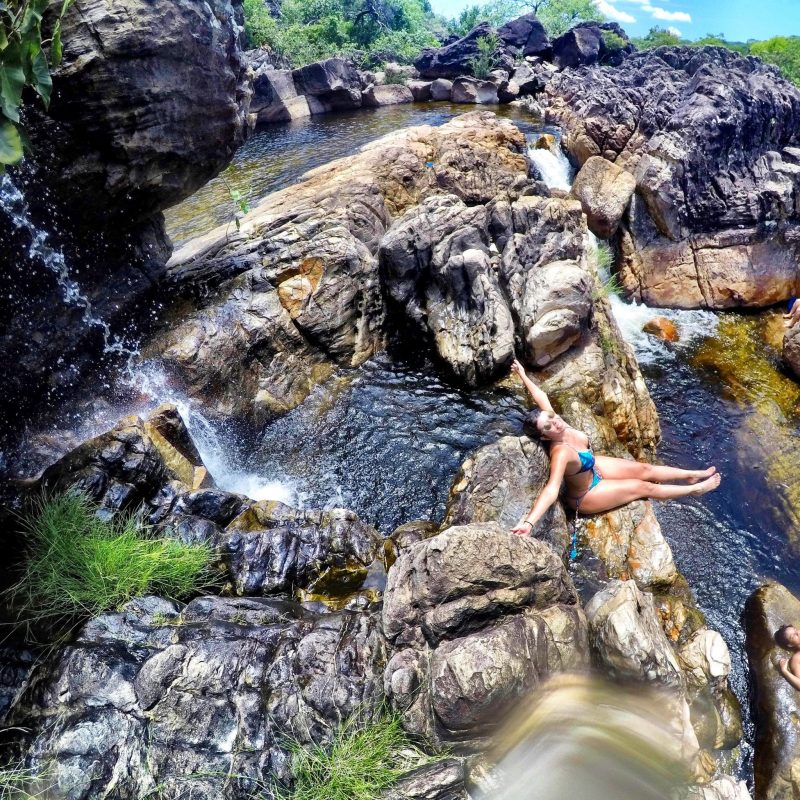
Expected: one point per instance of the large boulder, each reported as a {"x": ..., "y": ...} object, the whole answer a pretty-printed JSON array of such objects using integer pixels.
[
  {"x": 329, "y": 85},
  {"x": 299, "y": 288},
  {"x": 456, "y": 58},
  {"x": 604, "y": 191},
  {"x": 588, "y": 43},
  {"x": 776, "y": 702},
  {"x": 477, "y": 617},
  {"x": 389, "y": 95},
  {"x": 271, "y": 548},
  {"x": 791, "y": 348},
  {"x": 499, "y": 483},
  {"x": 441, "y": 88},
  {"x": 473, "y": 90},
  {"x": 275, "y": 97},
  {"x": 713, "y": 222},
  {"x": 526, "y": 36},
  {"x": 160, "y": 697}
]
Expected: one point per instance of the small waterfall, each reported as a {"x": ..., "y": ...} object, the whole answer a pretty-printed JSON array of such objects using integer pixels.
[
  {"x": 553, "y": 166},
  {"x": 214, "y": 443},
  {"x": 12, "y": 202}
]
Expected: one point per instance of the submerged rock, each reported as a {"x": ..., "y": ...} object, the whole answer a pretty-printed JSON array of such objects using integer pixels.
[
  {"x": 662, "y": 328},
  {"x": 477, "y": 618},
  {"x": 776, "y": 702},
  {"x": 178, "y": 699},
  {"x": 713, "y": 222}
]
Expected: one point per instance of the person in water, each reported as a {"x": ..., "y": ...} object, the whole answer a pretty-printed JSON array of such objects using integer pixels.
[
  {"x": 595, "y": 484},
  {"x": 788, "y": 637}
]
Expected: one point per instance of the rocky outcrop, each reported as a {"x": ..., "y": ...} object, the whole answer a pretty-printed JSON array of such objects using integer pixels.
[
  {"x": 329, "y": 85},
  {"x": 420, "y": 90},
  {"x": 628, "y": 637},
  {"x": 275, "y": 97},
  {"x": 389, "y": 95},
  {"x": 791, "y": 348},
  {"x": 713, "y": 222},
  {"x": 441, "y": 89},
  {"x": 273, "y": 549},
  {"x": 604, "y": 191},
  {"x": 477, "y": 617},
  {"x": 454, "y": 59},
  {"x": 525, "y": 36},
  {"x": 587, "y": 43},
  {"x": 473, "y": 90},
  {"x": 306, "y": 292},
  {"x": 117, "y": 145},
  {"x": 499, "y": 482},
  {"x": 776, "y": 705},
  {"x": 178, "y": 698}
]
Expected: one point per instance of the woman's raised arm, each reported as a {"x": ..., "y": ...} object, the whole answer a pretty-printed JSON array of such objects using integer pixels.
[
  {"x": 548, "y": 496},
  {"x": 538, "y": 396}
]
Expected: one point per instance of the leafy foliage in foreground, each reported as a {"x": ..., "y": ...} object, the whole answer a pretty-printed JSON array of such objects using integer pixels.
[
  {"x": 80, "y": 565},
  {"x": 24, "y": 63},
  {"x": 363, "y": 760}
]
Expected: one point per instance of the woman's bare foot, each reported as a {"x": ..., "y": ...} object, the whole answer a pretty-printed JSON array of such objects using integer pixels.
[
  {"x": 701, "y": 474},
  {"x": 708, "y": 485}
]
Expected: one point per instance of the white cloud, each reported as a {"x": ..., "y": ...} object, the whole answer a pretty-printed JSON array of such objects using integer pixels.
[
  {"x": 612, "y": 12},
  {"x": 668, "y": 16},
  {"x": 674, "y": 31}
]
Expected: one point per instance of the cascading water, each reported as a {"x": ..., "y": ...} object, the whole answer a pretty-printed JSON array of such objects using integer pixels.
[
  {"x": 552, "y": 165},
  {"x": 13, "y": 205}
]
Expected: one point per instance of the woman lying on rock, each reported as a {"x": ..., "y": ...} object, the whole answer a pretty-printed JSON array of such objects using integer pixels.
[{"x": 595, "y": 484}]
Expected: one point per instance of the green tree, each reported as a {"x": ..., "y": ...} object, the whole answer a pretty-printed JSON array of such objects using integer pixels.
[
  {"x": 558, "y": 16},
  {"x": 657, "y": 37},
  {"x": 482, "y": 65},
  {"x": 784, "y": 51},
  {"x": 24, "y": 63}
]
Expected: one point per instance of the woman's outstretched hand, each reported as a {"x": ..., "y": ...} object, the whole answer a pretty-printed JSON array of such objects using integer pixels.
[
  {"x": 518, "y": 369},
  {"x": 522, "y": 528}
]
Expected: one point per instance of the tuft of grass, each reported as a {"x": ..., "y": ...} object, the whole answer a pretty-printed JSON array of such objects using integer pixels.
[
  {"x": 363, "y": 760},
  {"x": 17, "y": 782},
  {"x": 80, "y": 565},
  {"x": 609, "y": 283},
  {"x": 605, "y": 258}
]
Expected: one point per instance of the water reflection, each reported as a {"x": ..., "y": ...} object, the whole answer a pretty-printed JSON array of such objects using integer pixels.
[{"x": 278, "y": 155}]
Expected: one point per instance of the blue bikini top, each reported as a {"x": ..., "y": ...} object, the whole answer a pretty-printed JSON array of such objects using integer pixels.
[{"x": 586, "y": 457}]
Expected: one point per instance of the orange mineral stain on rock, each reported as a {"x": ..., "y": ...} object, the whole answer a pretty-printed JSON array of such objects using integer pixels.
[{"x": 298, "y": 284}]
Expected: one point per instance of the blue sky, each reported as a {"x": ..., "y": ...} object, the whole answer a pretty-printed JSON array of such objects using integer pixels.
[{"x": 739, "y": 20}]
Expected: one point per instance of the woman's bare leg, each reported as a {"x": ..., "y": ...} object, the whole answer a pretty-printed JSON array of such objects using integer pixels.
[
  {"x": 622, "y": 469},
  {"x": 610, "y": 494}
]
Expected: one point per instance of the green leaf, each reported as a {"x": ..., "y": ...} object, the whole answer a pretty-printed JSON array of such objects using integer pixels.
[
  {"x": 3, "y": 37},
  {"x": 10, "y": 143},
  {"x": 40, "y": 74},
  {"x": 56, "y": 50},
  {"x": 12, "y": 81}
]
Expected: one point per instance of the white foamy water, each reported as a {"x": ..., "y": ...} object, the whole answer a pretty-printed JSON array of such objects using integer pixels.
[
  {"x": 553, "y": 166},
  {"x": 213, "y": 443}
]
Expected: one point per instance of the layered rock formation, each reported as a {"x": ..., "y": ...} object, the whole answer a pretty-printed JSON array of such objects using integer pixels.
[
  {"x": 713, "y": 221},
  {"x": 117, "y": 145},
  {"x": 430, "y": 218}
]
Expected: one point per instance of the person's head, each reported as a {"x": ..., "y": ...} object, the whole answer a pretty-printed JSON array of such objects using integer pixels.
[
  {"x": 544, "y": 425},
  {"x": 788, "y": 637}
]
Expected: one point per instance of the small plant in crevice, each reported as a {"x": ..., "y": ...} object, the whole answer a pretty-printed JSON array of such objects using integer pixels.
[
  {"x": 241, "y": 203},
  {"x": 607, "y": 287},
  {"x": 363, "y": 759},
  {"x": 79, "y": 565},
  {"x": 18, "y": 782},
  {"x": 482, "y": 64}
]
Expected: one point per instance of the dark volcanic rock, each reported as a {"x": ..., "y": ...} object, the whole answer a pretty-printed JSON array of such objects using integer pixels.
[
  {"x": 453, "y": 59},
  {"x": 334, "y": 82},
  {"x": 584, "y": 44},
  {"x": 181, "y": 698},
  {"x": 777, "y": 703},
  {"x": 711, "y": 138},
  {"x": 526, "y": 35}
]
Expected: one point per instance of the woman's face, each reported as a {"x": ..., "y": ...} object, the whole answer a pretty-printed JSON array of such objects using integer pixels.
[{"x": 550, "y": 425}]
